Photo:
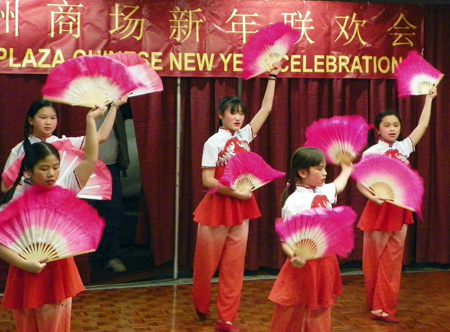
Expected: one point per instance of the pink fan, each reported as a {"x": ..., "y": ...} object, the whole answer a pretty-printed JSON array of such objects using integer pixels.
[
  {"x": 415, "y": 76},
  {"x": 142, "y": 71},
  {"x": 391, "y": 180},
  {"x": 248, "y": 171},
  {"x": 341, "y": 138},
  {"x": 89, "y": 80},
  {"x": 50, "y": 224},
  {"x": 319, "y": 232},
  {"x": 99, "y": 185},
  {"x": 266, "y": 47}
]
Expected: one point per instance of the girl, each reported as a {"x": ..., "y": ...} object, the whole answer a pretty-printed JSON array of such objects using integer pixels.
[
  {"x": 40, "y": 123},
  {"x": 384, "y": 225},
  {"x": 40, "y": 294},
  {"x": 305, "y": 290},
  {"x": 223, "y": 216}
]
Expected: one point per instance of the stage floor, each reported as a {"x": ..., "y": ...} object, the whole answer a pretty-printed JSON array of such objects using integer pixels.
[{"x": 165, "y": 305}]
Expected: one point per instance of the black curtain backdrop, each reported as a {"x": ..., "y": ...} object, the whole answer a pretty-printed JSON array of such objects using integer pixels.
[{"x": 298, "y": 103}]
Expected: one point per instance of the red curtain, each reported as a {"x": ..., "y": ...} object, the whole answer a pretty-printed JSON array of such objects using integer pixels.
[{"x": 297, "y": 104}]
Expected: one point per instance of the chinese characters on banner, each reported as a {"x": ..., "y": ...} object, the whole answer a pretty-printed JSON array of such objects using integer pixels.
[{"x": 206, "y": 38}]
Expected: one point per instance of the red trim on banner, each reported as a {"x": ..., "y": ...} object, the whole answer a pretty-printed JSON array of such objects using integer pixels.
[{"x": 190, "y": 38}]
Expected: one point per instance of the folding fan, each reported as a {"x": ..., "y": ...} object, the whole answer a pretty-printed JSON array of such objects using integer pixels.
[
  {"x": 142, "y": 71},
  {"x": 319, "y": 232},
  {"x": 99, "y": 185},
  {"x": 341, "y": 138},
  {"x": 248, "y": 171},
  {"x": 89, "y": 80},
  {"x": 50, "y": 224},
  {"x": 266, "y": 47},
  {"x": 415, "y": 76},
  {"x": 391, "y": 180}
]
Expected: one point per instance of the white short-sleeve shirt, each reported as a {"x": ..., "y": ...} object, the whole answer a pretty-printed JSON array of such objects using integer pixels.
[
  {"x": 306, "y": 198},
  {"x": 399, "y": 149},
  {"x": 223, "y": 145}
]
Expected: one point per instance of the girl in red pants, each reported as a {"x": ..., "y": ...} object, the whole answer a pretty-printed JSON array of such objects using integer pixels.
[
  {"x": 304, "y": 292},
  {"x": 385, "y": 225},
  {"x": 223, "y": 216},
  {"x": 40, "y": 293}
]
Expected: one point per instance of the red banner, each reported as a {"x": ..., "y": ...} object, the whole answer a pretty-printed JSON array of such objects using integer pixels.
[{"x": 206, "y": 38}]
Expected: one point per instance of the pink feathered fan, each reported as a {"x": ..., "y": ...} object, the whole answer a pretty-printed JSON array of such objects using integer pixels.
[
  {"x": 89, "y": 80},
  {"x": 415, "y": 76},
  {"x": 266, "y": 47},
  {"x": 150, "y": 80},
  {"x": 248, "y": 171},
  {"x": 99, "y": 185},
  {"x": 50, "y": 224},
  {"x": 391, "y": 180},
  {"x": 341, "y": 138},
  {"x": 319, "y": 232}
]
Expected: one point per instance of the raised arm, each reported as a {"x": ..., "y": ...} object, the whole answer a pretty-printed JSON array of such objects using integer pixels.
[
  {"x": 424, "y": 119},
  {"x": 341, "y": 181},
  {"x": 87, "y": 166},
  {"x": 105, "y": 129},
  {"x": 266, "y": 106}
]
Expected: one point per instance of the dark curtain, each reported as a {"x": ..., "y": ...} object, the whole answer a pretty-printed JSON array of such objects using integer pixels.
[{"x": 298, "y": 103}]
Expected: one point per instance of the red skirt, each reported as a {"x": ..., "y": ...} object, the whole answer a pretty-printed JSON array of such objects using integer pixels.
[
  {"x": 316, "y": 285},
  {"x": 58, "y": 281},
  {"x": 223, "y": 210},
  {"x": 386, "y": 217}
]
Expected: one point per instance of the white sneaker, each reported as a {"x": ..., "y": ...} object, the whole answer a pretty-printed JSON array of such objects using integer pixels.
[{"x": 116, "y": 265}]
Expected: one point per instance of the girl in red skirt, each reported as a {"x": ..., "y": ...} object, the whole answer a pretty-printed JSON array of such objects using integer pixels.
[
  {"x": 223, "y": 216},
  {"x": 305, "y": 291},
  {"x": 385, "y": 225},
  {"x": 40, "y": 293}
]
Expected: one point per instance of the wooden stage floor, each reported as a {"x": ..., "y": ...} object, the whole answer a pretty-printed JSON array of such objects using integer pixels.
[{"x": 166, "y": 306}]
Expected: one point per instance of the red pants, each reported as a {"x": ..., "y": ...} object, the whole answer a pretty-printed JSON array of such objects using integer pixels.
[
  {"x": 224, "y": 248},
  {"x": 292, "y": 319},
  {"x": 48, "y": 318},
  {"x": 382, "y": 267}
]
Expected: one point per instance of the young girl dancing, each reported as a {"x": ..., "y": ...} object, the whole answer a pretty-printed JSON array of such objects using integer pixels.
[
  {"x": 305, "y": 290},
  {"x": 39, "y": 293},
  {"x": 223, "y": 216},
  {"x": 385, "y": 225},
  {"x": 40, "y": 123}
]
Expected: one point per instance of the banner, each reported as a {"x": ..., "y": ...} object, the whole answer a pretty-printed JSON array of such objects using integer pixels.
[{"x": 206, "y": 38}]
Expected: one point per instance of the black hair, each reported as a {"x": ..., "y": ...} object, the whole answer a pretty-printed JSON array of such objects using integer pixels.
[
  {"x": 32, "y": 111},
  {"x": 33, "y": 155},
  {"x": 379, "y": 118},
  {"x": 302, "y": 159},
  {"x": 233, "y": 103}
]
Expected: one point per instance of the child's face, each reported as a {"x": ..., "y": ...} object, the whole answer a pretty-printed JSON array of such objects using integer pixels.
[
  {"x": 315, "y": 176},
  {"x": 45, "y": 172},
  {"x": 44, "y": 122},
  {"x": 390, "y": 128},
  {"x": 232, "y": 120}
]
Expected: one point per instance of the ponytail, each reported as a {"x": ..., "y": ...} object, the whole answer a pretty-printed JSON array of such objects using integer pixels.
[
  {"x": 290, "y": 188},
  {"x": 10, "y": 193},
  {"x": 371, "y": 136}
]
